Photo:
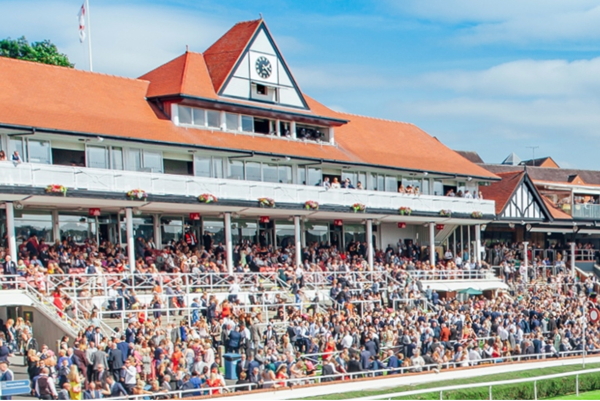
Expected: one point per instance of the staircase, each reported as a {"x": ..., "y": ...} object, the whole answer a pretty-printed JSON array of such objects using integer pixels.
[{"x": 442, "y": 235}]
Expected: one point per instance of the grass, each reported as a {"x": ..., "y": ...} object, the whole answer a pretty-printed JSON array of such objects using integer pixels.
[
  {"x": 479, "y": 379},
  {"x": 591, "y": 395}
]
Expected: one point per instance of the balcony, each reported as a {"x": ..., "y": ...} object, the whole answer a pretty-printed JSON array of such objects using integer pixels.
[
  {"x": 586, "y": 211},
  {"x": 120, "y": 181}
]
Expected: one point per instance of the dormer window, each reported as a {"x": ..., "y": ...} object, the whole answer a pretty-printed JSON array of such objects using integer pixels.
[
  {"x": 261, "y": 89},
  {"x": 264, "y": 92}
]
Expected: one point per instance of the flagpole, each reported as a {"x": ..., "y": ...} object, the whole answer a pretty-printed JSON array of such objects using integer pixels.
[{"x": 87, "y": 6}]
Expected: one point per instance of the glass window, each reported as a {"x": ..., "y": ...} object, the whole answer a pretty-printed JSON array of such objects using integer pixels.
[
  {"x": 199, "y": 117},
  {"x": 285, "y": 174},
  {"x": 214, "y": 228},
  {"x": 438, "y": 188},
  {"x": 232, "y": 121},
  {"x": 372, "y": 184},
  {"x": 16, "y": 144},
  {"x": 79, "y": 228},
  {"x": 424, "y": 187},
  {"x": 153, "y": 161},
  {"x": 391, "y": 183},
  {"x": 171, "y": 229},
  {"x": 253, "y": 171},
  {"x": 202, "y": 166},
  {"x": 380, "y": 183},
  {"x": 39, "y": 151},
  {"x": 235, "y": 170},
  {"x": 302, "y": 175},
  {"x": 142, "y": 227},
  {"x": 34, "y": 224},
  {"x": 217, "y": 164},
  {"x": 243, "y": 231},
  {"x": 353, "y": 177},
  {"x": 213, "y": 118},
  {"x": 284, "y": 234},
  {"x": 271, "y": 173},
  {"x": 134, "y": 159},
  {"x": 185, "y": 115},
  {"x": 362, "y": 178},
  {"x": 316, "y": 233},
  {"x": 117, "y": 158},
  {"x": 247, "y": 123},
  {"x": 314, "y": 176},
  {"x": 354, "y": 232},
  {"x": 97, "y": 157}
]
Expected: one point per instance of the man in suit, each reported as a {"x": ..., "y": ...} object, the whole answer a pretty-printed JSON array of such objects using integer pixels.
[
  {"x": 115, "y": 362},
  {"x": 242, "y": 365},
  {"x": 113, "y": 388},
  {"x": 269, "y": 335},
  {"x": 82, "y": 362},
  {"x": 123, "y": 346},
  {"x": 393, "y": 362},
  {"x": 354, "y": 365},
  {"x": 99, "y": 359},
  {"x": 10, "y": 268},
  {"x": 365, "y": 357},
  {"x": 97, "y": 336}
]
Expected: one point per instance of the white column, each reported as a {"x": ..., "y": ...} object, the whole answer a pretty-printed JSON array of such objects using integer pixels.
[
  {"x": 10, "y": 231},
  {"x": 432, "y": 244},
  {"x": 454, "y": 242},
  {"x": 331, "y": 133},
  {"x": 228, "y": 242},
  {"x": 157, "y": 234},
  {"x": 55, "y": 226},
  {"x": 525, "y": 260},
  {"x": 223, "y": 120},
  {"x": 130, "y": 241},
  {"x": 293, "y": 129},
  {"x": 278, "y": 127},
  {"x": 370, "y": 250},
  {"x": 573, "y": 258},
  {"x": 298, "y": 240},
  {"x": 469, "y": 244},
  {"x": 462, "y": 243},
  {"x": 478, "y": 243}
]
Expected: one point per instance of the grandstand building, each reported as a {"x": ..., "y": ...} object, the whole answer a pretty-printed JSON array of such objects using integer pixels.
[{"x": 233, "y": 124}]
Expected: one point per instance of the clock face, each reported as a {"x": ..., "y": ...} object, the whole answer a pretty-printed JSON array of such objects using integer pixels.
[{"x": 263, "y": 67}]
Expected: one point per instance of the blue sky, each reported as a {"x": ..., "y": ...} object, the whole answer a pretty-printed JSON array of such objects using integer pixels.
[{"x": 482, "y": 75}]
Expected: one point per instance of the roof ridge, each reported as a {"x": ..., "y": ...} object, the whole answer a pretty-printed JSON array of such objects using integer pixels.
[
  {"x": 372, "y": 118},
  {"x": 44, "y": 65}
]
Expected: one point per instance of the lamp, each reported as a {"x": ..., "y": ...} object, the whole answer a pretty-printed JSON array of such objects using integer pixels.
[
  {"x": 483, "y": 227},
  {"x": 528, "y": 227}
]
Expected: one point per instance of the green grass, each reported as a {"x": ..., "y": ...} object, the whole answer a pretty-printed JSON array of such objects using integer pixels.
[
  {"x": 591, "y": 395},
  {"x": 435, "y": 384}
]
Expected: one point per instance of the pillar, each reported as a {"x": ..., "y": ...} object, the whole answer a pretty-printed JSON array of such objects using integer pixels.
[
  {"x": 573, "y": 259},
  {"x": 469, "y": 244},
  {"x": 10, "y": 231},
  {"x": 55, "y": 226},
  {"x": 157, "y": 234},
  {"x": 130, "y": 240},
  {"x": 228, "y": 242},
  {"x": 462, "y": 243},
  {"x": 370, "y": 251},
  {"x": 525, "y": 260},
  {"x": 478, "y": 244},
  {"x": 293, "y": 129},
  {"x": 432, "y": 244},
  {"x": 298, "y": 240},
  {"x": 454, "y": 242},
  {"x": 278, "y": 127}
]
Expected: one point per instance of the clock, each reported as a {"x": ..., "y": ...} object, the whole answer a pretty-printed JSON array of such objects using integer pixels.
[{"x": 263, "y": 67}]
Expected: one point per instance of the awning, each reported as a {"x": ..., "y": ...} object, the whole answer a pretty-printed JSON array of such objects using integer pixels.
[{"x": 455, "y": 285}]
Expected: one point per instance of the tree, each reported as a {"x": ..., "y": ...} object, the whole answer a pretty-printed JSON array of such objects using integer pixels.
[{"x": 44, "y": 52}]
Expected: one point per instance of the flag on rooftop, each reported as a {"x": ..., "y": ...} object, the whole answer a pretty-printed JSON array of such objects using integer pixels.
[{"x": 81, "y": 15}]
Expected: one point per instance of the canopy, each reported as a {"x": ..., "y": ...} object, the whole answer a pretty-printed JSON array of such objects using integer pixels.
[{"x": 470, "y": 291}]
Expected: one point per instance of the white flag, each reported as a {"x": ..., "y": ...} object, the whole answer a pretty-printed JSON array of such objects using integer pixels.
[{"x": 82, "y": 23}]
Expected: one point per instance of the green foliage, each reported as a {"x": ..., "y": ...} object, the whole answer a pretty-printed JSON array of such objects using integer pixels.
[{"x": 44, "y": 52}]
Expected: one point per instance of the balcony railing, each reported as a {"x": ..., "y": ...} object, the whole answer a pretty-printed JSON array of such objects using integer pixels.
[
  {"x": 586, "y": 211},
  {"x": 121, "y": 181}
]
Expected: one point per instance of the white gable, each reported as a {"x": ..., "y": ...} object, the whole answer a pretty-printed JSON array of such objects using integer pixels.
[
  {"x": 523, "y": 205},
  {"x": 262, "y": 64}
]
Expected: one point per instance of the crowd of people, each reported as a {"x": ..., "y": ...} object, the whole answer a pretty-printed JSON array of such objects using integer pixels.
[{"x": 384, "y": 321}]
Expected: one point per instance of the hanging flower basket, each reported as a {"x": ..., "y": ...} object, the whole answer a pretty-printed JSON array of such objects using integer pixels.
[
  {"x": 137, "y": 194},
  {"x": 266, "y": 202},
  {"x": 446, "y": 213},
  {"x": 476, "y": 215},
  {"x": 56, "y": 189},
  {"x": 207, "y": 198},
  {"x": 405, "y": 211},
  {"x": 311, "y": 205},
  {"x": 358, "y": 207}
]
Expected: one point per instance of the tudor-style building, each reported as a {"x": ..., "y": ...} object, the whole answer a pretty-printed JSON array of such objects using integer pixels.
[{"x": 231, "y": 122}]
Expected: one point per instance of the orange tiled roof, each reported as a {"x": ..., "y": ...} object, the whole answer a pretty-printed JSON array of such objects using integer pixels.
[
  {"x": 502, "y": 191},
  {"x": 556, "y": 212},
  {"x": 68, "y": 100},
  {"x": 222, "y": 56}
]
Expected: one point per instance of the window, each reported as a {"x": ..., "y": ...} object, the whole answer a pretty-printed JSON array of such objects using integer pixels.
[
  {"x": 235, "y": 170},
  {"x": 142, "y": 227},
  {"x": 247, "y": 124},
  {"x": 352, "y": 176},
  {"x": 79, "y": 227},
  {"x": 171, "y": 229},
  {"x": 199, "y": 117},
  {"x": 116, "y": 158},
  {"x": 16, "y": 144},
  {"x": 185, "y": 115},
  {"x": 253, "y": 171},
  {"x": 217, "y": 167},
  {"x": 232, "y": 121},
  {"x": 215, "y": 228},
  {"x": 302, "y": 175},
  {"x": 202, "y": 166},
  {"x": 97, "y": 157},
  {"x": 285, "y": 174},
  {"x": 315, "y": 176},
  {"x": 213, "y": 118},
  {"x": 38, "y": 151},
  {"x": 134, "y": 160},
  {"x": 271, "y": 173},
  {"x": 38, "y": 224},
  {"x": 144, "y": 160},
  {"x": 380, "y": 183},
  {"x": 391, "y": 183},
  {"x": 261, "y": 89}
]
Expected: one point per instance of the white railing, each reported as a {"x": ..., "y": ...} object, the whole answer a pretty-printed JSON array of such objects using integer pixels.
[
  {"x": 121, "y": 181},
  {"x": 489, "y": 385},
  {"x": 426, "y": 275}
]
